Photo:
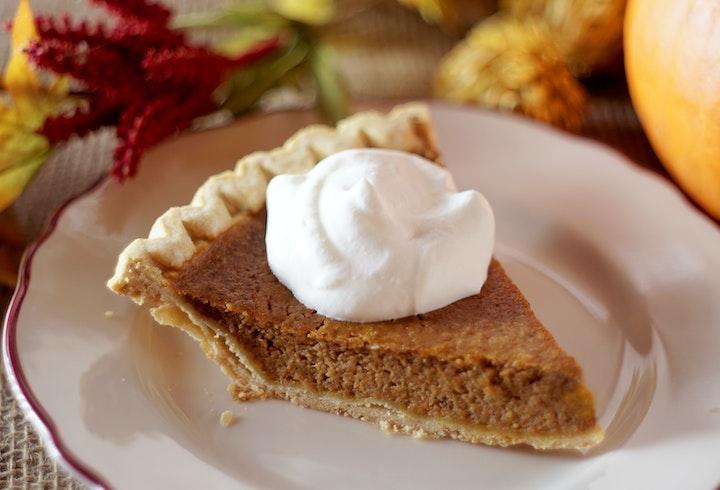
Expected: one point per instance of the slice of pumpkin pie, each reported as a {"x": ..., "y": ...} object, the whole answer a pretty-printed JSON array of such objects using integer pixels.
[{"x": 388, "y": 330}]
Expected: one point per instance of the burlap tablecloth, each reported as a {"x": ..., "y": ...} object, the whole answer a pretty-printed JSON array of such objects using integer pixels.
[{"x": 402, "y": 68}]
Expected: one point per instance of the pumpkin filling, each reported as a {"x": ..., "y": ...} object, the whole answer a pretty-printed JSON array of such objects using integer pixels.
[{"x": 466, "y": 362}]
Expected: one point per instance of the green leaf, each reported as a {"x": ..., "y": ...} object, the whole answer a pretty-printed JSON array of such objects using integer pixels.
[
  {"x": 311, "y": 12},
  {"x": 240, "y": 41},
  {"x": 332, "y": 95},
  {"x": 14, "y": 179},
  {"x": 17, "y": 143},
  {"x": 244, "y": 88},
  {"x": 233, "y": 16}
]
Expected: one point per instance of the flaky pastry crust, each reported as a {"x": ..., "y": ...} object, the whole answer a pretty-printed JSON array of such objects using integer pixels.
[{"x": 181, "y": 231}]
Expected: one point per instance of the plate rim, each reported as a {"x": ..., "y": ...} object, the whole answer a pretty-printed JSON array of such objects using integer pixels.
[{"x": 37, "y": 415}]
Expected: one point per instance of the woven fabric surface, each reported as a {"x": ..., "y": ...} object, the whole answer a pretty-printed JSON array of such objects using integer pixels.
[{"x": 402, "y": 68}]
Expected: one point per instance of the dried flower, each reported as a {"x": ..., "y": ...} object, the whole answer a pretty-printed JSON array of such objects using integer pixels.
[
  {"x": 589, "y": 33},
  {"x": 513, "y": 65}
]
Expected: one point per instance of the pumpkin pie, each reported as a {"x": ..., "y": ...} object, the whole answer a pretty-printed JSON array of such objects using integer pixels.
[{"x": 482, "y": 369}]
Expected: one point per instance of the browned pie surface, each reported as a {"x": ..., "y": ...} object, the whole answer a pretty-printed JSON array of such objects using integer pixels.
[
  {"x": 484, "y": 360},
  {"x": 497, "y": 324}
]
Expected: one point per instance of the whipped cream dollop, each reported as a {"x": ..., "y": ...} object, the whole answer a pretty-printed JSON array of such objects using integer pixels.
[{"x": 371, "y": 235}]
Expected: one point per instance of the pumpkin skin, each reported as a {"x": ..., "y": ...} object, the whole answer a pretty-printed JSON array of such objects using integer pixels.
[{"x": 672, "y": 60}]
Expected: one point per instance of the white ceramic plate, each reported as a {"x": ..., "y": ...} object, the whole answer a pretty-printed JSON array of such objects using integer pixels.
[{"x": 616, "y": 263}]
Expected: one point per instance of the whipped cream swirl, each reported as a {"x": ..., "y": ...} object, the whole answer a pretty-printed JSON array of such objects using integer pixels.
[{"x": 371, "y": 235}]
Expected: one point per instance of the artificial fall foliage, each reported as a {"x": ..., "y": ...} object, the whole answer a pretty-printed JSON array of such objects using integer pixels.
[
  {"x": 140, "y": 76},
  {"x": 27, "y": 103},
  {"x": 304, "y": 58}
]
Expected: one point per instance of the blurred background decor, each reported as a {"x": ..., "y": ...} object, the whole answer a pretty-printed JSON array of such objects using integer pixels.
[
  {"x": 151, "y": 71},
  {"x": 139, "y": 73},
  {"x": 85, "y": 95}
]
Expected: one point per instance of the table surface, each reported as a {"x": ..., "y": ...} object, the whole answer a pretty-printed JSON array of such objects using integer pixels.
[{"x": 23, "y": 461}]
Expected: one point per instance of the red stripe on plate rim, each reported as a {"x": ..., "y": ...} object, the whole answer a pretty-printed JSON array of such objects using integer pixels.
[{"x": 36, "y": 414}]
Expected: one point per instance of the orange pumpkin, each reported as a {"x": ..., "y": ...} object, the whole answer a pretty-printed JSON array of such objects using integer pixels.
[{"x": 672, "y": 59}]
